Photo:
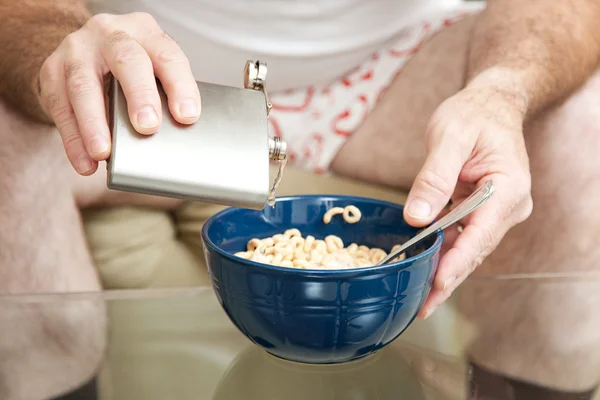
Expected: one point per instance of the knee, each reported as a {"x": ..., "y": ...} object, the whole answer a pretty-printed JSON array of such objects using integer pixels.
[
  {"x": 542, "y": 331},
  {"x": 139, "y": 248},
  {"x": 50, "y": 348}
]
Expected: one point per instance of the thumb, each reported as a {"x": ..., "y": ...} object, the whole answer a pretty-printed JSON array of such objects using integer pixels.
[{"x": 433, "y": 187}]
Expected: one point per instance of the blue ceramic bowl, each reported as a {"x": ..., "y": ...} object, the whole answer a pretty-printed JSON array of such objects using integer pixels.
[{"x": 319, "y": 316}]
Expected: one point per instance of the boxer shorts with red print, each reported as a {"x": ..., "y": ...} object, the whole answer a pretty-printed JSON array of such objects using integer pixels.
[{"x": 316, "y": 121}]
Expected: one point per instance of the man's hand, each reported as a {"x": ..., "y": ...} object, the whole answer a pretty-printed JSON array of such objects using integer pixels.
[
  {"x": 473, "y": 137},
  {"x": 135, "y": 49}
]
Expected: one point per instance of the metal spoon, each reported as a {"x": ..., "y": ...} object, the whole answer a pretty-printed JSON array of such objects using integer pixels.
[{"x": 471, "y": 203}]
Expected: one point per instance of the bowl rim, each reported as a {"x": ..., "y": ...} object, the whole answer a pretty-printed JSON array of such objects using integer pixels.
[{"x": 395, "y": 265}]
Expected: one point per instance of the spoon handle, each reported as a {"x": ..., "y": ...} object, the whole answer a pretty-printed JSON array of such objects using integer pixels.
[{"x": 471, "y": 203}]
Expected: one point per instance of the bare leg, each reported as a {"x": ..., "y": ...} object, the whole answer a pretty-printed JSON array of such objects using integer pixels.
[
  {"x": 545, "y": 334},
  {"x": 46, "y": 347}
]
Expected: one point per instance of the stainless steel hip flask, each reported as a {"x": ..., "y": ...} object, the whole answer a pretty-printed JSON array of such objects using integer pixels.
[{"x": 223, "y": 158}]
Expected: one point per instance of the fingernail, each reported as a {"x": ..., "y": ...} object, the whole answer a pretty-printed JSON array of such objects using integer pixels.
[
  {"x": 429, "y": 312},
  {"x": 188, "y": 109},
  {"x": 84, "y": 164},
  {"x": 98, "y": 145},
  {"x": 419, "y": 208},
  {"x": 147, "y": 117},
  {"x": 449, "y": 283}
]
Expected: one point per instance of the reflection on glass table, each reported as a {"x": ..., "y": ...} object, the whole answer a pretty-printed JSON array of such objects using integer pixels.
[{"x": 179, "y": 344}]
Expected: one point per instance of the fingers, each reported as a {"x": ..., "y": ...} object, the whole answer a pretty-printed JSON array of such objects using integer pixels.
[
  {"x": 85, "y": 91},
  {"x": 132, "y": 67},
  {"x": 55, "y": 100},
  {"x": 172, "y": 68},
  {"x": 483, "y": 232},
  {"x": 433, "y": 187},
  {"x": 134, "y": 49}
]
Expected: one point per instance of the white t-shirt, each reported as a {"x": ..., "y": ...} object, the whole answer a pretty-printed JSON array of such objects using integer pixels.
[{"x": 304, "y": 42}]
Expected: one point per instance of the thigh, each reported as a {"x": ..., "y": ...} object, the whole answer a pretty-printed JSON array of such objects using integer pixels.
[
  {"x": 547, "y": 330},
  {"x": 47, "y": 347},
  {"x": 388, "y": 147}
]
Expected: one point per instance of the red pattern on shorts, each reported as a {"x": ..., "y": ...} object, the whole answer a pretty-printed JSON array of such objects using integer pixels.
[{"x": 315, "y": 122}]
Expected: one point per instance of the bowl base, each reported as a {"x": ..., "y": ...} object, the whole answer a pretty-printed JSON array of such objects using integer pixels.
[{"x": 355, "y": 360}]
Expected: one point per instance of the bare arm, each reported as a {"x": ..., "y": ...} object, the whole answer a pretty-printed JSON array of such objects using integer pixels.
[
  {"x": 524, "y": 56},
  {"x": 537, "y": 50},
  {"x": 30, "y": 30},
  {"x": 54, "y": 56}
]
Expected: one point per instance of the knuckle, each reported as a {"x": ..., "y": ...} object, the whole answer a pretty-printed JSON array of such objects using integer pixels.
[
  {"x": 49, "y": 71},
  {"x": 142, "y": 94},
  {"x": 145, "y": 19},
  {"x": 432, "y": 181},
  {"x": 71, "y": 42},
  {"x": 71, "y": 140},
  {"x": 50, "y": 101},
  {"x": 476, "y": 263},
  {"x": 118, "y": 37},
  {"x": 170, "y": 54},
  {"x": 102, "y": 22},
  {"x": 124, "y": 48},
  {"x": 63, "y": 115},
  {"x": 80, "y": 85},
  {"x": 487, "y": 242},
  {"x": 72, "y": 69}
]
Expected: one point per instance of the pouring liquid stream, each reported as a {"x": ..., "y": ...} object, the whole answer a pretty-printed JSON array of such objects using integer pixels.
[{"x": 272, "y": 199}]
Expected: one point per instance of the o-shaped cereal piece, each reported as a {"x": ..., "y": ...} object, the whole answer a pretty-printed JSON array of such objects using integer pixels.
[
  {"x": 401, "y": 256},
  {"x": 361, "y": 254},
  {"x": 291, "y": 233},
  {"x": 297, "y": 242},
  {"x": 320, "y": 246},
  {"x": 316, "y": 256},
  {"x": 308, "y": 243},
  {"x": 277, "y": 258},
  {"x": 363, "y": 262},
  {"x": 299, "y": 254},
  {"x": 268, "y": 242},
  {"x": 244, "y": 254},
  {"x": 352, "y": 214},
  {"x": 333, "y": 243},
  {"x": 376, "y": 255},
  {"x": 279, "y": 238},
  {"x": 284, "y": 248},
  {"x": 253, "y": 244},
  {"x": 303, "y": 264},
  {"x": 331, "y": 212},
  {"x": 352, "y": 248},
  {"x": 257, "y": 255}
]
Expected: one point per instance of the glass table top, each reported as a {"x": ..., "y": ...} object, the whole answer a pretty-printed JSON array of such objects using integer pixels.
[{"x": 179, "y": 344}]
